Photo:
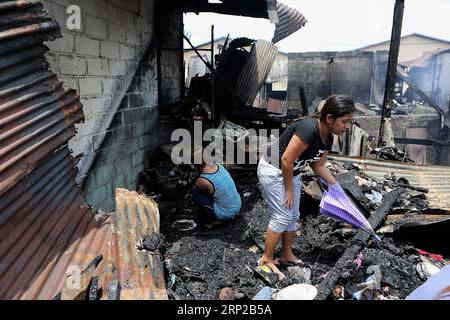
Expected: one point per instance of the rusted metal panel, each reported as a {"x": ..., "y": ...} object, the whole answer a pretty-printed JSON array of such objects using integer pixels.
[
  {"x": 275, "y": 106},
  {"x": 290, "y": 21},
  {"x": 255, "y": 70},
  {"x": 46, "y": 229},
  {"x": 435, "y": 178},
  {"x": 141, "y": 274}
]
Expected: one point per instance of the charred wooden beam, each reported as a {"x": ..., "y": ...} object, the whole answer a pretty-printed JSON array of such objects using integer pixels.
[
  {"x": 392, "y": 66},
  {"x": 326, "y": 286}
]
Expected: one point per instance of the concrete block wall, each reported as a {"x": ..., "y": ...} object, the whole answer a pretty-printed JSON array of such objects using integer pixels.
[
  {"x": 371, "y": 124},
  {"x": 324, "y": 73},
  {"x": 170, "y": 28},
  {"x": 112, "y": 62}
]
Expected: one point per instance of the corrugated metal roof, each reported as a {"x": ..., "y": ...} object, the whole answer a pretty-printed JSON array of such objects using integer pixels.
[
  {"x": 435, "y": 178},
  {"x": 290, "y": 21},
  {"x": 255, "y": 70},
  {"x": 46, "y": 229}
]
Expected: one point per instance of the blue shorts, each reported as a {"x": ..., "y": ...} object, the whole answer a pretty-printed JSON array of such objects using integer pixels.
[{"x": 204, "y": 202}]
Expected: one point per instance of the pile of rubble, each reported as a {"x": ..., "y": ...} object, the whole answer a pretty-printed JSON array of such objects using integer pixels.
[{"x": 220, "y": 262}]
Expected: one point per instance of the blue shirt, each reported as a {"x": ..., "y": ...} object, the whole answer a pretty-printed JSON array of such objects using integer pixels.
[{"x": 227, "y": 202}]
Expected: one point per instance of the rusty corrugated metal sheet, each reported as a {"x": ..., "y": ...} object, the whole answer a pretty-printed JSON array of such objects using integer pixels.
[
  {"x": 141, "y": 274},
  {"x": 41, "y": 208},
  {"x": 435, "y": 178},
  {"x": 276, "y": 106},
  {"x": 255, "y": 70},
  {"x": 46, "y": 229},
  {"x": 289, "y": 21}
]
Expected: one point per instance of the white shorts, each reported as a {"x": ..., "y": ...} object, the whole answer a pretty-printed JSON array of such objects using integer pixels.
[{"x": 273, "y": 191}]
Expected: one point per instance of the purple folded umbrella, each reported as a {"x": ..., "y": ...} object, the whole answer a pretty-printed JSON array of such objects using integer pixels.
[{"x": 336, "y": 204}]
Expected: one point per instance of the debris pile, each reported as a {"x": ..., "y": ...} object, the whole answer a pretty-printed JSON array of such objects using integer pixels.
[{"x": 221, "y": 262}]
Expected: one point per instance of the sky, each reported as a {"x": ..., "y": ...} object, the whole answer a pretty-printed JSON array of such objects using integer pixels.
[{"x": 333, "y": 25}]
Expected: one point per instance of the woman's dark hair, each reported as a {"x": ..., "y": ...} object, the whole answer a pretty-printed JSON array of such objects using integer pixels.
[{"x": 337, "y": 105}]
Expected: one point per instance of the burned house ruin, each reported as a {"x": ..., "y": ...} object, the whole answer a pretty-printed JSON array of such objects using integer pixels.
[{"x": 89, "y": 194}]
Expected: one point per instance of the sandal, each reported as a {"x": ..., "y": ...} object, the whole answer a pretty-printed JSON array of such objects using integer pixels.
[{"x": 294, "y": 263}]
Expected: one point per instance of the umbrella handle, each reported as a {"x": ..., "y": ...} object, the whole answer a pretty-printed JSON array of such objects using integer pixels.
[{"x": 322, "y": 184}]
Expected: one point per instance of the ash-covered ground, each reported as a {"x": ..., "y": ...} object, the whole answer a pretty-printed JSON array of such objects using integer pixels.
[{"x": 219, "y": 262}]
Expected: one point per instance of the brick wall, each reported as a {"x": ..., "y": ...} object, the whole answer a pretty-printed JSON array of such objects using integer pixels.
[{"x": 112, "y": 62}]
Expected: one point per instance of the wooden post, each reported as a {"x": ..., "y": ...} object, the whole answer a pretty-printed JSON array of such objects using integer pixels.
[{"x": 392, "y": 67}]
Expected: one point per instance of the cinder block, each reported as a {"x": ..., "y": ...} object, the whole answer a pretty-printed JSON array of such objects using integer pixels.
[
  {"x": 101, "y": 141},
  {"x": 64, "y": 44},
  {"x": 93, "y": 106},
  {"x": 96, "y": 196},
  {"x": 119, "y": 181},
  {"x": 117, "y": 68},
  {"x": 121, "y": 134},
  {"x": 111, "y": 86},
  {"x": 143, "y": 24},
  {"x": 137, "y": 158},
  {"x": 87, "y": 46},
  {"x": 120, "y": 151},
  {"x": 109, "y": 49},
  {"x": 127, "y": 52},
  {"x": 130, "y": 116},
  {"x": 72, "y": 65},
  {"x": 116, "y": 32},
  {"x": 134, "y": 146},
  {"x": 96, "y": 28},
  {"x": 123, "y": 166},
  {"x": 109, "y": 203},
  {"x": 126, "y": 19},
  {"x": 130, "y": 5},
  {"x": 90, "y": 183},
  {"x": 135, "y": 100},
  {"x": 117, "y": 120},
  {"x": 133, "y": 37},
  {"x": 105, "y": 174},
  {"x": 147, "y": 8},
  {"x": 106, "y": 156},
  {"x": 90, "y": 86},
  {"x": 98, "y": 67}
]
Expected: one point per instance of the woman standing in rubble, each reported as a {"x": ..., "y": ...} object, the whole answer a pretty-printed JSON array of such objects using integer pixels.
[{"x": 304, "y": 142}]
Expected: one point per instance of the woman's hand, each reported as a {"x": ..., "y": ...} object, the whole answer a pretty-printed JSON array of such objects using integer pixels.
[{"x": 289, "y": 199}]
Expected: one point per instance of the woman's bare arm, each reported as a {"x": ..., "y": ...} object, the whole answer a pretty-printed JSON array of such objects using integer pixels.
[
  {"x": 322, "y": 171},
  {"x": 294, "y": 149}
]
